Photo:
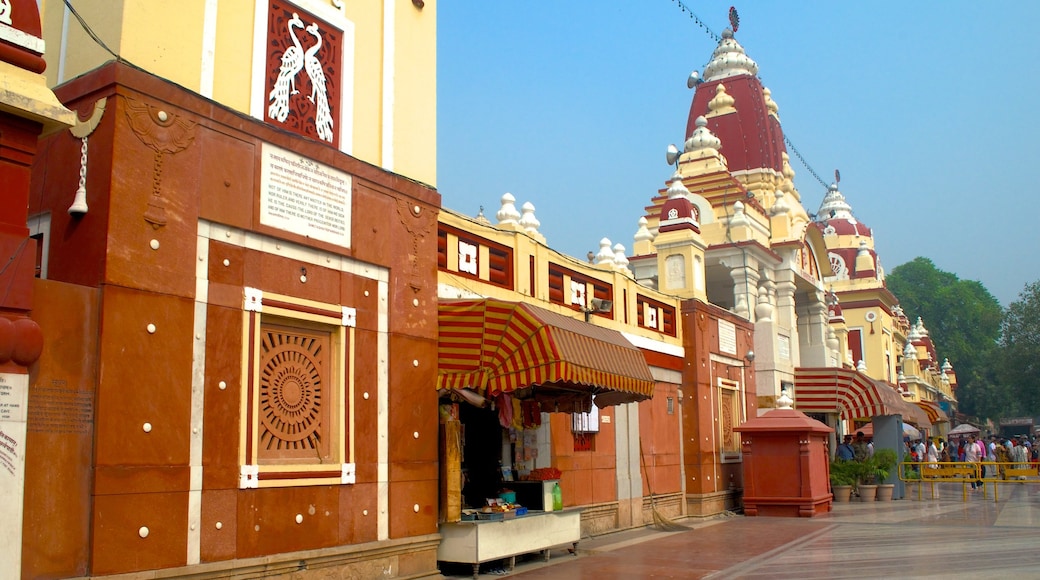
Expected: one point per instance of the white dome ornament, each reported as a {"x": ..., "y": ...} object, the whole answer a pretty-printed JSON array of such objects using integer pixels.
[
  {"x": 531, "y": 223},
  {"x": 643, "y": 233},
  {"x": 508, "y": 215},
  {"x": 620, "y": 259},
  {"x": 702, "y": 137},
  {"x": 605, "y": 256},
  {"x": 784, "y": 401}
]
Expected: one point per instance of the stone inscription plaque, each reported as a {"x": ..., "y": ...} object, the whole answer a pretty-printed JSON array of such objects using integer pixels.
[
  {"x": 305, "y": 197},
  {"x": 56, "y": 408}
]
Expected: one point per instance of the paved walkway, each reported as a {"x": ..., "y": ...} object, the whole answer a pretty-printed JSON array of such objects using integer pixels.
[{"x": 941, "y": 538}]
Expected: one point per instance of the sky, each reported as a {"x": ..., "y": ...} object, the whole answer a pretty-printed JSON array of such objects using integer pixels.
[{"x": 931, "y": 112}]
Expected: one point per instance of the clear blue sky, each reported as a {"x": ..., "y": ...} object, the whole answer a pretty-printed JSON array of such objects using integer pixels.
[{"x": 931, "y": 111}]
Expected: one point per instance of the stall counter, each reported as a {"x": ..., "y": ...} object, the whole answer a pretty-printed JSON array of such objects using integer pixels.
[{"x": 476, "y": 542}]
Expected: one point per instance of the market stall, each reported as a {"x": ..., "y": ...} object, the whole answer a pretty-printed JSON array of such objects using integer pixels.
[{"x": 502, "y": 367}]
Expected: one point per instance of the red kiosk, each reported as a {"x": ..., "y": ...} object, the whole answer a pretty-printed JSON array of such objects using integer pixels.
[{"x": 785, "y": 463}]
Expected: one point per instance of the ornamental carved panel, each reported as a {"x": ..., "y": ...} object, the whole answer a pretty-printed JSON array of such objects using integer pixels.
[
  {"x": 294, "y": 394},
  {"x": 304, "y": 80}
]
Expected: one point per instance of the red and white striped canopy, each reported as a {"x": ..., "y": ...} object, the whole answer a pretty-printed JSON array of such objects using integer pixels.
[
  {"x": 852, "y": 394},
  {"x": 934, "y": 412},
  {"x": 494, "y": 346}
]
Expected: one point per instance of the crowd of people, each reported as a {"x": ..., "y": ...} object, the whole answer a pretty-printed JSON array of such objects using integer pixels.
[{"x": 993, "y": 454}]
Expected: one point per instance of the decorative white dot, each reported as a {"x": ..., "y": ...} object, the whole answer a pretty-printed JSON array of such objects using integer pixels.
[
  {"x": 227, "y": 262},
  {"x": 416, "y": 209},
  {"x": 147, "y": 427},
  {"x": 299, "y": 518},
  {"x": 365, "y": 395},
  {"x": 151, "y": 329},
  {"x": 192, "y": 527},
  {"x": 415, "y": 434},
  {"x": 201, "y": 258},
  {"x": 163, "y": 116},
  {"x": 227, "y": 234},
  {"x": 415, "y": 362},
  {"x": 256, "y": 528},
  {"x": 366, "y": 292},
  {"x": 221, "y": 385},
  {"x": 415, "y": 508},
  {"x": 143, "y": 532},
  {"x": 219, "y": 525},
  {"x": 364, "y": 512},
  {"x": 303, "y": 279},
  {"x": 154, "y": 244},
  {"x": 415, "y": 301},
  {"x": 195, "y": 430}
]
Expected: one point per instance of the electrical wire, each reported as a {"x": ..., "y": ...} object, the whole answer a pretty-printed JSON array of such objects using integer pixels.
[{"x": 90, "y": 31}]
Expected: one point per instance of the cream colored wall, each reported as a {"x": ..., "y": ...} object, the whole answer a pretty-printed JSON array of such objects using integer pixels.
[
  {"x": 166, "y": 39},
  {"x": 523, "y": 248},
  {"x": 415, "y": 119}
]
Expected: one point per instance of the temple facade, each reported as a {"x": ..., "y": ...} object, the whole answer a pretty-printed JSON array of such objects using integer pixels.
[{"x": 261, "y": 346}]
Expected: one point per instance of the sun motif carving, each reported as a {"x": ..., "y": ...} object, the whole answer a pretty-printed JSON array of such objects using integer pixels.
[{"x": 292, "y": 391}]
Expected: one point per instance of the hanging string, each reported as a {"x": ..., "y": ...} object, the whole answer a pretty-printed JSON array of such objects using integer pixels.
[
  {"x": 787, "y": 141},
  {"x": 698, "y": 21}
]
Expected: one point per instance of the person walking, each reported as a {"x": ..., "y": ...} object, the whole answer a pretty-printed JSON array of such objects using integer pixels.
[
  {"x": 973, "y": 453},
  {"x": 932, "y": 455},
  {"x": 845, "y": 451},
  {"x": 860, "y": 451}
]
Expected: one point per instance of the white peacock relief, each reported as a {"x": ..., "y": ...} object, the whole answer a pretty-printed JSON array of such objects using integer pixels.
[{"x": 284, "y": 92}]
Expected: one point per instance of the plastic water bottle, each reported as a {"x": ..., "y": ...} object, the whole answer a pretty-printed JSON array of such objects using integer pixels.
[{"x": 557, "y": 498}]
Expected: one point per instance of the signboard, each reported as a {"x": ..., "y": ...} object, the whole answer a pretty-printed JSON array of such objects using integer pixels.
[
  {"x": 305, "y": 197},
  {"x": 1009, "y": 421}
]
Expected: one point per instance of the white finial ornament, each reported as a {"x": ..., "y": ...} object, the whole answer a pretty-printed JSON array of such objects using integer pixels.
[
  {"x": 620, "y": 259},
  {"x": 643, "y": 233},
  {"x": 508, "y": 214},
  {"x": 702, "y": 137},
  {"x": 527, "y": 220},
  {"x": 739, "y": 218},
  {"x": 784, "y": 401},
  {"x": 676, "y": 188},
  {"x": 605, "y": 256}
]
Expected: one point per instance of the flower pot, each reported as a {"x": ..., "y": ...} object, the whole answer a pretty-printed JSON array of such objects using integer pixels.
[
  {"x": 867, "y": 492},
  {"x": 841, "y": 493},
  {"x": 885, "y": 491}
]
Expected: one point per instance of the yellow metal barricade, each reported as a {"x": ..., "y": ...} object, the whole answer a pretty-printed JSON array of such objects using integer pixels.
[
  {"x": 1010, "y": 472},
  {"x": 926, "y": 472},
  {"x": 987, "y": 473}
]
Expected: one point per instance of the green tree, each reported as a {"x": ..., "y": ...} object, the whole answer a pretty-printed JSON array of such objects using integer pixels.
[
  {"x": 1019, "y": 362},
  {"x": 964, "y": 322}
]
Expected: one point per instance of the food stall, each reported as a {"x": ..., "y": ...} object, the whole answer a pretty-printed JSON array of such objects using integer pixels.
[{"x": 502, "y": 367}]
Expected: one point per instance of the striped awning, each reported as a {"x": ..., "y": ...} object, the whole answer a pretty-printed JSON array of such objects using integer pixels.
[
  {"x": 495, "y": 346},
  {"x": 934, "y": 412},
  {"x": 852, "y": 394}
]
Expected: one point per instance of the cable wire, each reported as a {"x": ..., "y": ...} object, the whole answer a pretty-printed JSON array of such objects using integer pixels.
[{"x": 90, "y": 31}]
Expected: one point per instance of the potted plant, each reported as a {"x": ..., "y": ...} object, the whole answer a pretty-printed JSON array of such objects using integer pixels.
[
  {"x": 879, "y": 466},
  {"x": 843, "y": 478}
]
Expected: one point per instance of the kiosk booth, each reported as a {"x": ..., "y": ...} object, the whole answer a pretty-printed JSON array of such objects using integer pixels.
[{"x": 502, "y": 368}]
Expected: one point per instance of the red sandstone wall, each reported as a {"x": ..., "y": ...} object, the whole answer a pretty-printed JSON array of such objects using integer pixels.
[
  {"x": 59, "y": 447},
  {"x": 142, "y": 478},
  {"x": 588, "y": 477},
  {"x": 659, "y": 437},
  {"x": 705, "y": 473}
]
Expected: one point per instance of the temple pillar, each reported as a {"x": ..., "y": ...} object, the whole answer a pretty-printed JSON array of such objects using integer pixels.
[
  {"x": 812, "y": 331},
  {"x": 27, "y": 109}
]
